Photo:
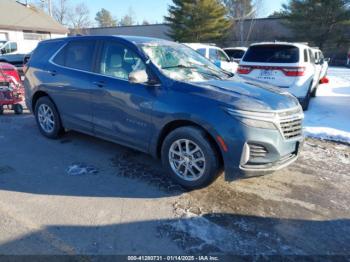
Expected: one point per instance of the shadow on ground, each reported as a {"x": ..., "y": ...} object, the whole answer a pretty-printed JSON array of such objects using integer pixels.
[{"x": 208, "y": 234}]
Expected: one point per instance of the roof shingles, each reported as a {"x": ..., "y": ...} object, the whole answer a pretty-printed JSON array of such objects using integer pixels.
[{"x": 17, "y": 16}]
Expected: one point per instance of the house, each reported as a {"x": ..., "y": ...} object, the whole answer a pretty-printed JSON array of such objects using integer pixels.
[{"x": 22, "y": 26}]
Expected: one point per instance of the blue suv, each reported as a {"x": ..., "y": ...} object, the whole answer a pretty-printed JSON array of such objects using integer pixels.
[{"x": 165, "y": 99}]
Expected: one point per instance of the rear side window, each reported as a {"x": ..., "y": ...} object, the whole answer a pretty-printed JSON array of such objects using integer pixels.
[
  {"x": 306, "y": 57},
  {"x": 44, "y": 51},
  {"x": 76, "y": 55},
  {"x": 312, "y": 57},
  {"x": 272, "y": 54}
]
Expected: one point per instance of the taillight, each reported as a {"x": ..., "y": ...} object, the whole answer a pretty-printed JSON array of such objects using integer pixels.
[
  {"x": 12, "y": 73},
  {"x": 293, "y": 71},
  {"x": 244, "y": 70},
  {"x": 324, "y": 80}
]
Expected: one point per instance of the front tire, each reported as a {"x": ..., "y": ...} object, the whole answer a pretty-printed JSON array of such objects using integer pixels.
[
  {"x": 190, "y": 158},
  {"x": 47, "y": 118}
]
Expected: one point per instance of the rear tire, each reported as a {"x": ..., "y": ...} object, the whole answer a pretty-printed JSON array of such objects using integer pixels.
[
  {"x": 18, "y": 108},
  {"x": 47, "y": 118},
  {"x": 190, "y": 158}
]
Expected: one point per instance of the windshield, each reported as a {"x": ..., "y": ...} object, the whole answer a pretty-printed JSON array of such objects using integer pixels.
[{"x": 182, "y": 63}]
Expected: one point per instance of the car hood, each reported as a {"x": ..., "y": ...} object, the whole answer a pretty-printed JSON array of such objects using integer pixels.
[{"x": 246, "y": 94}]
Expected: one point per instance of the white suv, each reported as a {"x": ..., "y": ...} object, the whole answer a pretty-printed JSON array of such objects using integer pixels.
[
  {"x": 216, "y": 55},
  {"x": 290, "y": 66}
]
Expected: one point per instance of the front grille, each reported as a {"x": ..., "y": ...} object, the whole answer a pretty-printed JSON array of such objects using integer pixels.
[
  {"x": 257, "y": 151},
  {"x": 291, "y": 123}
]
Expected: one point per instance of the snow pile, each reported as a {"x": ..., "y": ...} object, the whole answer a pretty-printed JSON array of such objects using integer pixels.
[{"x": 328, "y": 116}]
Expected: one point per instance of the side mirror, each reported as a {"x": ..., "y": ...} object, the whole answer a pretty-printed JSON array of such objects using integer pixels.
[
  {"x": 138, "y": 77},
  {"x": 3, "y": 51}
]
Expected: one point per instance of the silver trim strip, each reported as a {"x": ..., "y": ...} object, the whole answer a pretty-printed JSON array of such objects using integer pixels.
[
  {"x": 89, "y": 72},
  {"x": 272, "y": 168}
]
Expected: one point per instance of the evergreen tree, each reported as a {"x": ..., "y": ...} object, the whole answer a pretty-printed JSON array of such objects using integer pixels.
[
  {"x": 317, "y": 20},
  {"x": 105, "y": 19},
  {"x": 198, "y": 20}
]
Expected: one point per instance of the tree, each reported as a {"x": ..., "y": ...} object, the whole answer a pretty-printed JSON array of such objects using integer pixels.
[
  {"x": 128, "y": 19},
  {"x": 276, "y": 14},
  {"x": 61, "y": 11},
  {"x": 145, "y": 22},
  {"x": 239, "y": 9},
  {"x": 80, "y": 18},
  {"x": 197, "y": 20},
  {"x": 105, "y": 19},
  {"x": 317, "y": 20}
]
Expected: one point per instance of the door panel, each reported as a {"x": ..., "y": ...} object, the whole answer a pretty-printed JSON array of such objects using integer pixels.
[
  {"x": 121, "y": 110},
  {"x": 71, "y": 85}
]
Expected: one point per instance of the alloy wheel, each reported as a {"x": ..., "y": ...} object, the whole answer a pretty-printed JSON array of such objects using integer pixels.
[
  {"x": 46, "y": 118},
  {"x": 187, "y": 159}
]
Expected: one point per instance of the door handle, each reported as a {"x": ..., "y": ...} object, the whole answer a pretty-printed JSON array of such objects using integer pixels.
[{"x": 99, "y": 84}]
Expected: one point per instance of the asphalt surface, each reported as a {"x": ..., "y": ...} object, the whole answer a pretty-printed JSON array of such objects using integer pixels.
[{"x": 124, "y": 203}]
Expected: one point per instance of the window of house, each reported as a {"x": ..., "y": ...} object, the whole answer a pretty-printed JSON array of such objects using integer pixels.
[{"x": 29, "y": 35}]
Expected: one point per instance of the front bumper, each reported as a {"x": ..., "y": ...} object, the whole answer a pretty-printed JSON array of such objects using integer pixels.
[
  {"x": 251, "y": 169},
  {"x": 278, "y": 153}
]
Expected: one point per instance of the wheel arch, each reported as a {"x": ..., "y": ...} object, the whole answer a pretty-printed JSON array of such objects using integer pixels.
[
  {"x": 171, "y": 126},
  {"x": 37, "y": 95}
]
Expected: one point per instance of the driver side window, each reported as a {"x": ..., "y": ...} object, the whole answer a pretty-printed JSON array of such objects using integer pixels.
[{"x": 119, "y": 61}]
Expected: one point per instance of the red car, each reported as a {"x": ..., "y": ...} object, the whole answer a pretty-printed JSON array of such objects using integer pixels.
[
  {"x": 11, "y": 89},
  {"x": 10, "y": 70}
]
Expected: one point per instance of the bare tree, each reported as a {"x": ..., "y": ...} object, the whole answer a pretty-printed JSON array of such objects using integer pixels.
[
  {"x": 80, "y": 18},
  {"x": 129, "y": 18},
  {"x": 61, "y": 11}
]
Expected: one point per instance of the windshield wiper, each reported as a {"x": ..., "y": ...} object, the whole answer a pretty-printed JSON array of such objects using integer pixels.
[
  {"x": 179, "y": 66},
  {"x": 197, "y": 68}
]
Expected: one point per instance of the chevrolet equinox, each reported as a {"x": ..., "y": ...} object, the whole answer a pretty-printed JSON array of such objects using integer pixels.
[{"x": 165, "y": 99}]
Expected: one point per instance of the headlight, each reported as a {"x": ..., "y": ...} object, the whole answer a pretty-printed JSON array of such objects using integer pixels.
[
  {"x": 264, "y": 120},
  {"x": 257, "y": 123}
]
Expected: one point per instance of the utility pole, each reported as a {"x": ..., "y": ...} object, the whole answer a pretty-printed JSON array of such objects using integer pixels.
[
  {"x": 50, "y": 7},
  {"x": 48, "y": 4}
]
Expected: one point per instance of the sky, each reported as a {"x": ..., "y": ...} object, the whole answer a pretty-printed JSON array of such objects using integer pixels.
[{"x": 154, "y": 10}]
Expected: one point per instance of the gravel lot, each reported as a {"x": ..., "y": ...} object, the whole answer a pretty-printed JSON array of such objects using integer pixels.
[{"x": 126, "y": 205}]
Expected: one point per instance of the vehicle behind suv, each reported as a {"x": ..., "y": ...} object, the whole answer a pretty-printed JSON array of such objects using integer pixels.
[
  {"x": 289, "y": 66},
  {"x": 165, "y": 99},
  {"x": 216, "y": 55},
  {"x": 235, "y": 53},
  {"x": 321, "y": 62}
]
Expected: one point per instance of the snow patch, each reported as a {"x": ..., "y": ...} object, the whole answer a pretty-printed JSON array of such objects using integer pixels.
[
  {"x": 78, "y": 169},
  {"x": 328, "y": 116}
]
